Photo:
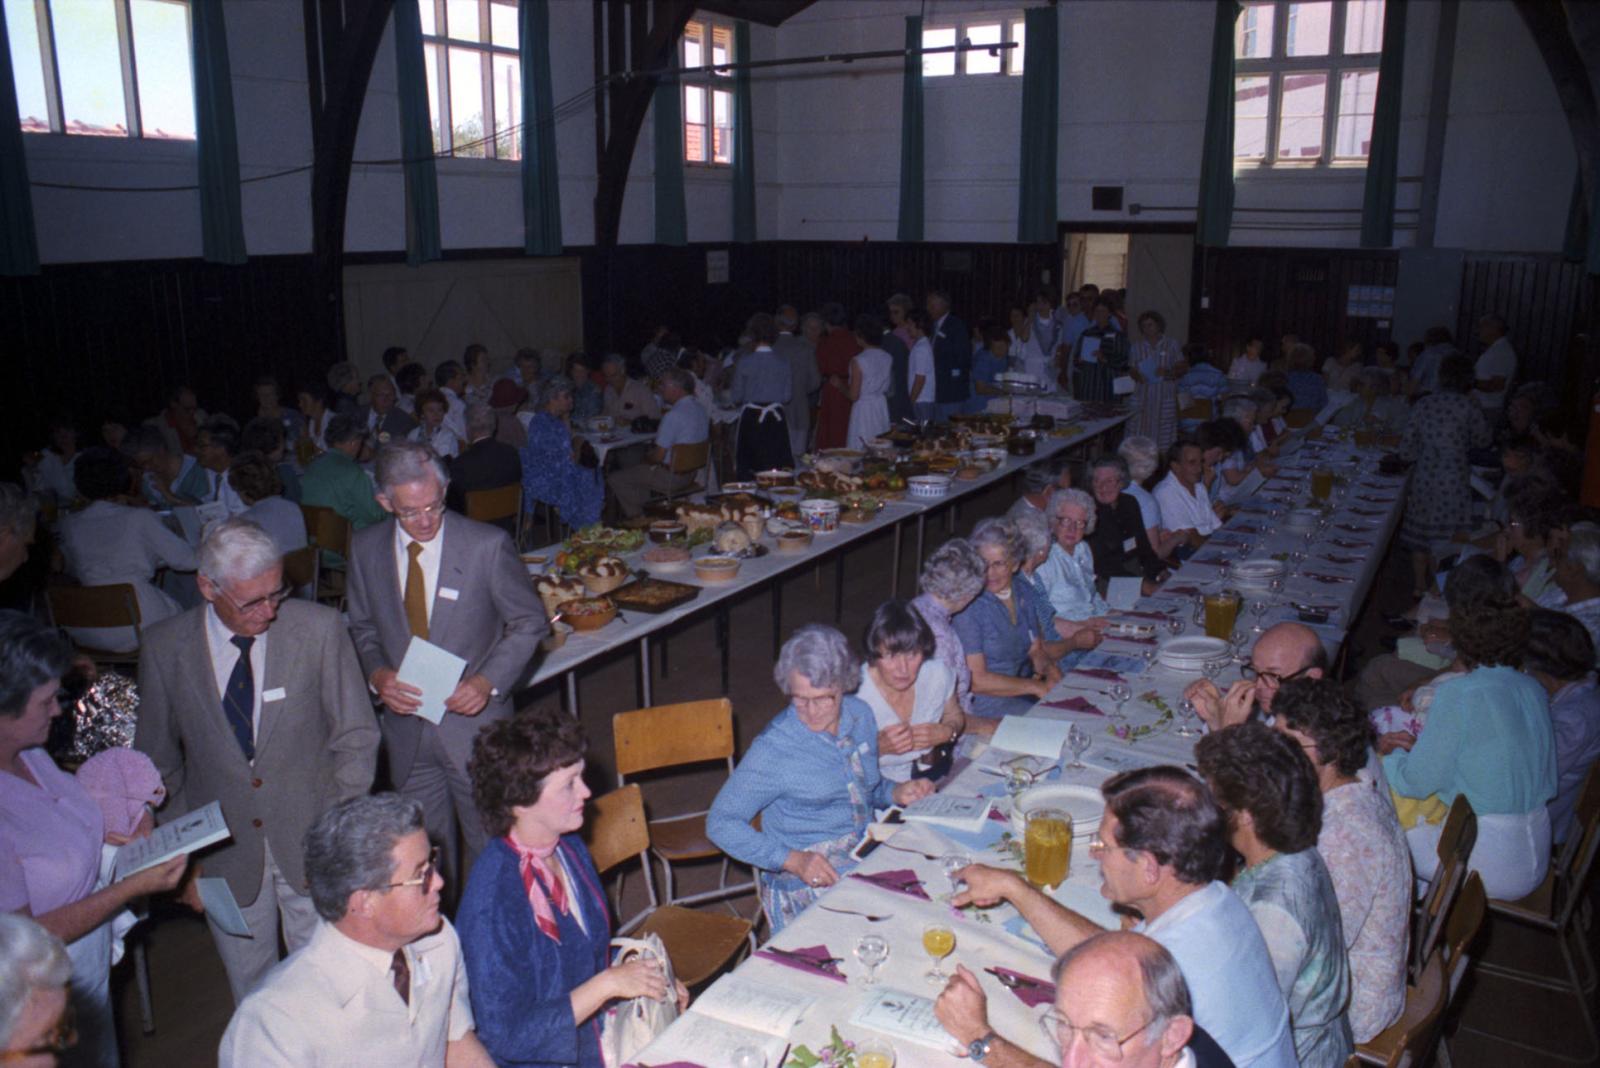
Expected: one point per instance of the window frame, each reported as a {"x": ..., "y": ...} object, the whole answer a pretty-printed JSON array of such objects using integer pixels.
[
  {"x": 488, "y": 50},
  {"x": 1012, "y": 24},
  {"x": 1278, "y": 65},
  {"x": 709, "y": 84},
  {"x": 50, "y": 73}
]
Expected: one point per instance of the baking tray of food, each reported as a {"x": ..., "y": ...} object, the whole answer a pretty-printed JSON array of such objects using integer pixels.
[{"x": 653, "y": 595}]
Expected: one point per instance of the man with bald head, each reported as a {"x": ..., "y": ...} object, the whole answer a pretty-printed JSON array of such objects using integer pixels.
[{"x": 1286, "y": 651}]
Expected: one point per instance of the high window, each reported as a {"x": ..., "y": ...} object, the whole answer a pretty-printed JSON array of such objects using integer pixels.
[
  {"x": 707, "y": 97},
  {"x": 102, "y": 68},
  {"x": 1306, "y": 80},
  {"x": 474, "y": 77},
  {"x": 986, "y": 29}
]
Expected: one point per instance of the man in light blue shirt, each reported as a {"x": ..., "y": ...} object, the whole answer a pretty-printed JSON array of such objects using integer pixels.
[
  {"x": 1073, "y": 321},
  {"x": 683, "y": 423}
]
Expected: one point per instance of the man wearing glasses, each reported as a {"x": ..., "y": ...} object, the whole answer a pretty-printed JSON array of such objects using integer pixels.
[
  {"x": 459, "y": 585},
  {"x": 382, "y": 981},
  {"x": 256, "y": 701},
  {"x": 1285, "y": 651}
]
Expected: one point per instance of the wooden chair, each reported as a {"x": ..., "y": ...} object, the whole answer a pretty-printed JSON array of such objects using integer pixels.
[
  {"x": 699, "y": 943},
  {"x": 671, "y": 736},
  {"x": 687, "y": 460},
  {"x": 302, "y": 569},
  {"x": 1456, "y": 840},
  {"x": 115, "y": 605},
  {"x": 495, "y": 505},
  {"x": 329, "y": 531},
  {"x": 1558, "y": 907}
]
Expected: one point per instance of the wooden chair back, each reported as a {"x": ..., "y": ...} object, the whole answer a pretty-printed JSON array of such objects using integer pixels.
[
  {"x": 301, "y": 569},
  {"x": 1575, "y": 862},
  {"x": 1456, "y": 840},
  {"x": 327, "y": 529},
  {"x": 667, "y": 736},
  {"x": 1462, "y": 926},
  {"x": 617, "y": 831},
  {"x": 1410, "y": 1040},
  {"x": 115, "y": 605},
  {"x": 1460, "y": 832},
  {"x": 689, "y": 459},
  {"x": 489, "y": 505},
  {"x": 1199, "y": 409}
]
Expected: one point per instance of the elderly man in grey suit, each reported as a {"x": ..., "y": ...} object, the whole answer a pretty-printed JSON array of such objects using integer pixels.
[
  {"x": 255, "y": 701},
  {"x": 441, "y": 577},
  {"x": 805, "y": 379}
]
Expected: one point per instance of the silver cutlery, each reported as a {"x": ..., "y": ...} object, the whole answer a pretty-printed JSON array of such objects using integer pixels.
[
  {"x": 908, "y": 849},
  {"x": 869, "y": 917}
]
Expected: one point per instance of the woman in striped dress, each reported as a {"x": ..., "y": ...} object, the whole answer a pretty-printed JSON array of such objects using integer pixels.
[{"x": 1156, "y": 363}]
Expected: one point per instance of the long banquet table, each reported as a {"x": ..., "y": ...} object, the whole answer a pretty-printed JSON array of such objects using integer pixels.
[{"x": 1339, "y": 570}]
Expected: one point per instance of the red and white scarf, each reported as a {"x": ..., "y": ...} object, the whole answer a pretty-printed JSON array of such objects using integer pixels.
[{"x": 547, "y": 890}]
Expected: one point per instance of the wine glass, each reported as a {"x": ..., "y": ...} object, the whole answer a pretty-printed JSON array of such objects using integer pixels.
[
  {"x": 952, "y": 863},
  {"x": 1186, "y": 713},
  {"x": 1238, "y": 641},
  {"x": 1077, "y": 745},
  {"x": 747, "y": 1057},
  {"x": 1211, "y": 669},
  {"x": 1175, "y": 625},
  {"x": 1258, "y": 608},
  {"x": 1224, "y": 569},
  {"x": 1275, "y": 585},
  {"x": 1120, "y": 693},
  {"x": 871, "y": 950},
  {"x": 938, "y": 941},
  {"x": 1148, "y": 655}
]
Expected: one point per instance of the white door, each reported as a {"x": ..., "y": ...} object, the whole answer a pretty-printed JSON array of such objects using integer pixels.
[{"x": 1159, "y": 270}]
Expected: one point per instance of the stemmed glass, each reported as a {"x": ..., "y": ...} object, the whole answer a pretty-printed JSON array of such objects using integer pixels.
[
  {"x": 1148, "y": 655},
  {"x": 871, "y": 950},
  {"x": 1258, "y": 608},
  {"x": 938, "y": 941},
  {"x": 1175, "y": 625},
  {"x": 1077, "y": 745},
  {"x": 747, "y": 1057},
  {"x": 1211, "y": 669},
  {"x": 952, "y": 863},
  {"x": 1186, "y": 713},
  {"x": 1120, "y": 693},
  {"x": 1275, "y": 585},
  {"x": 1238, "y": 641}
]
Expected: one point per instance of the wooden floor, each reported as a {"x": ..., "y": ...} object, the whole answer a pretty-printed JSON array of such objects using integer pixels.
[{"x": 190, "y": 993}]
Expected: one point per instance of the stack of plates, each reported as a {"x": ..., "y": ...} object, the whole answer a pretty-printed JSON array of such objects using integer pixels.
[
  {"x": 1257, "y": 573},
  {"x": 1084, "y": 804},
  {"x": 1191, "y": 653}
]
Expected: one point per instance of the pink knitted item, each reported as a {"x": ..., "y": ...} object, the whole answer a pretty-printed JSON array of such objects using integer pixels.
[{"x": 122, "y": 782}]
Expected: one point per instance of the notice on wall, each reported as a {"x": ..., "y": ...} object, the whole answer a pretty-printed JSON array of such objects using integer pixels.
[{"x": 716, "y": 266}]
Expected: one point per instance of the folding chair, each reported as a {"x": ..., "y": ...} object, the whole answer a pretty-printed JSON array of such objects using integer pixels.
[
  {"x": 1456, "y": 840},
  {"x": 699, "y": 943},
  {"x": 670, "y": 736},
  {"x": 329, "y": 531},
  {"x": 687, "y": 460},
  {"x": 494, "y": 505},
  {"x": 302, "y": 569},
  {"x": 115, "y": 605}
]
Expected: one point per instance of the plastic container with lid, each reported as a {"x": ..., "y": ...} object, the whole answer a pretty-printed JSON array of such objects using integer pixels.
[{"x": 822, "y": 516}]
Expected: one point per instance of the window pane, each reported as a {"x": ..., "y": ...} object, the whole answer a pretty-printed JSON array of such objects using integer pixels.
[
  {"x": 693, "y": 35},
  {"x": 945, "y": 62},
  {"x": 694, "y": 104},
  {"x": 982, "y": 62},
  {"x": 1253, "y": 33},
  {"x": 32, "y": 104},
  {"x": 466, "y": 103},
  {"x": 1363, "y": 26},
  {"x": 503, "y": 25},
  {"x": 161, "y": 61},
  {"x": 508, "y": 107},
  {"x": 89, "y": 64},
  {"x": 1250, "y": 98},
  {"x": 1300, "y": 113},
  {"x": 722, "y": 47},
  {"x": 461, "y": 21},
  {"x": 1309, "y": 26},
  {"x": 430, "y": 61},
  {"x": 1019, "y": 34},
  {"x": 722, "y": 133},
  {"x": 425, "y": 10},
  {"x": 694, "y": 142},
  {"x": 1358, "y": 92}
]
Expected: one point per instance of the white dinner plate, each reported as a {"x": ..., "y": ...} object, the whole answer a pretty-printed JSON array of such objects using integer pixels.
[{"x": 1083, "y": 803}]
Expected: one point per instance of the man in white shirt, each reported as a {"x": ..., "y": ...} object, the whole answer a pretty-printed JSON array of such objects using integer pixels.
[
  {"x": 381, "y": 980},
  {"x": 1496, "y": 367},
  {"x": 1185, "y": 504},
  {"x": 684, "y": 423},
  {"x": 451, "y": 378}
]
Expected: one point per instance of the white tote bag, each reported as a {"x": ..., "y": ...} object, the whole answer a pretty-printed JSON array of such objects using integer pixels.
[{"x": 632, "y": 1025}]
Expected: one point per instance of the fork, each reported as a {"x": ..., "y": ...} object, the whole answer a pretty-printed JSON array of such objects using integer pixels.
[
  {"x": 851, "y": 912},
  {"x": 908, "y": 849}
]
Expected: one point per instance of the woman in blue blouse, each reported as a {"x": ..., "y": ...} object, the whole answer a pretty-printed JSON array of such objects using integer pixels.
[
  {"x": 550, "y": 469},
  {"x": 812, "y": 775},
  {"x": 1001, "y": 634},
  {"x": 535, "y": 931},
  {"x": 1067, "y": 574}
]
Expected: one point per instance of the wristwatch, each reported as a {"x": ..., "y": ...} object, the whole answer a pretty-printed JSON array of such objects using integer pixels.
[{"x": 978, "y": 1048}]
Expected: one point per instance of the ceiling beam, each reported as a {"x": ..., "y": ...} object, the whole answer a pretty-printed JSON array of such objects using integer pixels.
[{"x": 1555, "y": 37}]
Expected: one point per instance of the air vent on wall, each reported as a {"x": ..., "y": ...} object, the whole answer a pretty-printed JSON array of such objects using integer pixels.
[{"x": 1105, "y": 197}]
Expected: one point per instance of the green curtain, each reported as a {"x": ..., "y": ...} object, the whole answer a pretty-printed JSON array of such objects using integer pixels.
[
  {"x": 1036, "y": 179},
  {"x": 19, "y": 250},
  {"x": 416, "y": 139},
  {"x": 910, "y": 228},
  {"x": 216, "y": 138},
  {"x": 1214, "y": 217},
  {"x": 541, "y": 181},
  {"x": 1582, "y": 241},
  {"x": 744, "y": 149},
  {"x": 1383, "y": 161},
  {"x": 672, "y": 224}
]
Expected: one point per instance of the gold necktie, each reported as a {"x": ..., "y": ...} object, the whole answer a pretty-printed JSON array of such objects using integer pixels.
[{"x": 416, "y": 593}]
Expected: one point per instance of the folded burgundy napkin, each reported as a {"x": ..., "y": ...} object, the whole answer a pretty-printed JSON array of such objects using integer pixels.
[
  {"x": 1030, "y": 991},
  {"x": 1375, "y": 500},
  {"x": 1326, "y": 580},
  {"x": 1182, "y": 591},
  {"x": 1244, "y": 528},
  {"x": 813, "y": 959},
  {"x": 901, "y": 881},
  {"x": 1098, "y": 673},
  {"x": 1143, "y": 615},
  {"x": 1349, "y": 528},
  {"x": 1335, "y": 558},
  {"x": 1345, "y": 543},
  {"x": 1366, "y": 511},
  {"x": 669, "y": 1064},
  {"x": 1073, "y": 704}
]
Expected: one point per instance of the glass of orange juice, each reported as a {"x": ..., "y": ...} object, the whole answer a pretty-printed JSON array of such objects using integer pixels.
[
  {"x": 938, "y": 939},
  {"x": 1221, "y": 613},
  {"x": 1047, "y": 847},
  {"x": 874, "y": 1053},
  {"x": 1321, "y": 482}
]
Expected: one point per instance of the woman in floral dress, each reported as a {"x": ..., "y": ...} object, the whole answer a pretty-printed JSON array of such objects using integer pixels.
[
  {"x": 551, "y": 471},
  {"x": 1444, "y": 427},
  {"x": 1156, "y": 363}
]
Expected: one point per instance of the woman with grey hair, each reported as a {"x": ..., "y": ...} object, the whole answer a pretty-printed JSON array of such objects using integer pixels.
[
  {"x": 1004, "y": 645},
  {"x": 1143, "y": 459},
  {"x": 52, "y": 831},
  {"x": 1068, "y": 573},
  {"x": 559, "y": 468},
  {"x": 951, "y": 578},
  {"x": 1043, "y": 480},
  {"x": 34, "y": 971},
  {"x": 812, "y": 775},
  {"x": 1120, "y": 545}
]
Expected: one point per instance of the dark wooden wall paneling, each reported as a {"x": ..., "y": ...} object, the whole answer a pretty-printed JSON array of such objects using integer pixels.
[{"x": 1547, "y": 303}]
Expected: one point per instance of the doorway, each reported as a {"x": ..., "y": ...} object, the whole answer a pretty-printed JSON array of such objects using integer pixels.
[{"x": 1154, "y": 267}]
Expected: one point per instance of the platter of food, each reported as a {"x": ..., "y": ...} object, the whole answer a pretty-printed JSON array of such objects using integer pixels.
[
  {"x": 653, "y": 595},
  {"x": 591, "y": 543},
  {"x": 587, "y": 613}
]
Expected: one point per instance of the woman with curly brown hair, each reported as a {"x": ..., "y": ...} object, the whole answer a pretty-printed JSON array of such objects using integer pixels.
[
  {"x": 1488, "y": 738},
  {"x": 535, "y": 931},
  {"x": 1267, "y": 790}
]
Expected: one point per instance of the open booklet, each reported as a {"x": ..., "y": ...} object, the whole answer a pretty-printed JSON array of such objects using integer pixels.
[
  {"x": 186, "y": 834},
  {"x": 735, "y": 1012},
  {"x": 907, "y": 1016}
]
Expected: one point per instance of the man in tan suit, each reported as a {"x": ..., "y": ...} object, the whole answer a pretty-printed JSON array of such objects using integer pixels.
[{"x": 255, "y": 701}]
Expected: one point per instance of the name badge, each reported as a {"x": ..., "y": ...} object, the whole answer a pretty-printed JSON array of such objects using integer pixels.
[
  {"x": 448, "y": 594},
  {"x": 1128, "y": 545},
  {"x": 274, "y": 694}
]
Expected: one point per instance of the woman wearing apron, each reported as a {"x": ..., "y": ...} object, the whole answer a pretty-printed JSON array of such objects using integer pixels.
[{"x": 761, "y": 386}]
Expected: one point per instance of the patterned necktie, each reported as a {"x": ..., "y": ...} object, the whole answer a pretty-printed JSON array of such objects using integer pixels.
[
  {"x": 239, "y": 698},
  {"x": 402, "y": 975},
  {"x": 416, "y": 593}
]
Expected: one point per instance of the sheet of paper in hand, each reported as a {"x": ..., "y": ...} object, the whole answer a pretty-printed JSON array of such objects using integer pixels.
[{"x": 185, "y": 834}]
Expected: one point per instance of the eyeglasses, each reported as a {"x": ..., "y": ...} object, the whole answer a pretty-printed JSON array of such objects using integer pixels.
[
  {"x": 425, "y": 879},
  {"x": 806, "y": 704},
  {"x": 275, "y": 598},
  {"x": 436, "y": 508},
  {"x": 1063, "y": 1032},
  {"x": 1070, "y": 523},
  {"x": 59, "y": 1040},
  {"x": 1250, "y": 673}
]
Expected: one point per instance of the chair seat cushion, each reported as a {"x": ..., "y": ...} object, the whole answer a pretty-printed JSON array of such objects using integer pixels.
[
  {"x": 683, "y": 838},
  {"x": 698, "y": 942}
]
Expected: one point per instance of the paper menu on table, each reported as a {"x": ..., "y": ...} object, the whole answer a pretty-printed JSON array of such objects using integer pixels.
[
  {"x": 1124, "y": 591},
  {"x": 222, "y": 908},
  {"x": 965, "y": 813},
  {"x": 695, "y": 1039},
  {"x": 902, "y": 1015},
  {"x": 749, "y": 1003},
  {"x": 435, "y": 672},
  {"x": 1031, "y": 735},
  {"x": 185, "y": 834}
]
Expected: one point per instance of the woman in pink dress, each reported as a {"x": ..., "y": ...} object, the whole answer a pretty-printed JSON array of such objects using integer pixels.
[{"x": 834, "y": 353}]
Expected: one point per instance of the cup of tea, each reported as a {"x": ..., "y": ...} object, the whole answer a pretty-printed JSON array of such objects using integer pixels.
[
  {"x": 1047, "y": 847},
  {"x": 1221, "y": 612}
]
